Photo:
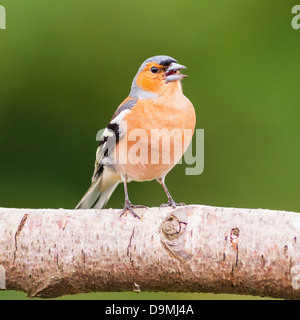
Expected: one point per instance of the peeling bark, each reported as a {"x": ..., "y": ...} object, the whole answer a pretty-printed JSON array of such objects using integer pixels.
[
  {"x": 20, "y": 227},
  {"x": 49, "y": 253}
]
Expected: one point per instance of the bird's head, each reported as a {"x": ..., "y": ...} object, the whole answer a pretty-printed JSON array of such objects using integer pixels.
[{"x": 155, "y": 76}]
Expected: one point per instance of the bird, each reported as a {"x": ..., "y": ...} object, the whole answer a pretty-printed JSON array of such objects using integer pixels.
[{"x": 156, "y": 104}]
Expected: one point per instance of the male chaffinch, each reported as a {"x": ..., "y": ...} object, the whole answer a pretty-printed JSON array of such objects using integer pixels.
[{"x": 155, "y": 104}]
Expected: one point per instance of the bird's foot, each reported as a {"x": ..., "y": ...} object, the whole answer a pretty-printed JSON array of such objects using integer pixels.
[
  {"x": 172, "y": 203},
  {"x": 128, "y": 206}
]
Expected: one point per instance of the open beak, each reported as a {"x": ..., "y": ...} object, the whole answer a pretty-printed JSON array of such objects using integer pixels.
[{"x": 173, "y": 72}]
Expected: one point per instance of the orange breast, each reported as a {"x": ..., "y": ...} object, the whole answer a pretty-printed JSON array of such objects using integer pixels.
[{"x": 157, "y": 136}]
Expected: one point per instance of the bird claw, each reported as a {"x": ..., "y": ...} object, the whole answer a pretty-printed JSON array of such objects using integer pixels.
[
  {"x": 128, "y": 206},
  {"x": 172, "y": 203}
]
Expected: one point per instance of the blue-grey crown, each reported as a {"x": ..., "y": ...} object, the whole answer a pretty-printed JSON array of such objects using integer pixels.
[{"x": 161, "y": 60}]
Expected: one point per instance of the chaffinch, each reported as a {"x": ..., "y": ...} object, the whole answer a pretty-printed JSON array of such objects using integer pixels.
[{"x": 132, "y": 146}]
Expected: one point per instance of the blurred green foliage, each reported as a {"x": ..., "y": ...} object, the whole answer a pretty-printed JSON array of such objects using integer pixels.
[{"x": 66, "y": 65}]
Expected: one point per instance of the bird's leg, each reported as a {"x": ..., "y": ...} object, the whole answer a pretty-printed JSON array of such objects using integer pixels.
[
  {"x": 171, "y": 202},
  {"x": 128, "y": 205}
]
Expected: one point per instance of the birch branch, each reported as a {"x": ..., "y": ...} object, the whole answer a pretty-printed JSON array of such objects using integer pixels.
[{"x": 49, "y": 253}]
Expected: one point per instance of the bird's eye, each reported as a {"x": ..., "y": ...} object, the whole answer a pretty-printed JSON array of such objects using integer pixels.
[{"x": 154, "y": 69}]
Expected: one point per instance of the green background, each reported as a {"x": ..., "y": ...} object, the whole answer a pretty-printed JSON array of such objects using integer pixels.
[{"x": 66, "y": 65}]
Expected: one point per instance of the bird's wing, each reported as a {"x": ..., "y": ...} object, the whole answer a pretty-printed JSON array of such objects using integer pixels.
[
  {"x": 111, "y": 136},
  {"x": 104, "y": 177},
  {"x": 108, "y": 141}
]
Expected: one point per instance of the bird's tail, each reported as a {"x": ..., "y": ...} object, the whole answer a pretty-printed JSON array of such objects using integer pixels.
[{"x": 93, "y": 198}]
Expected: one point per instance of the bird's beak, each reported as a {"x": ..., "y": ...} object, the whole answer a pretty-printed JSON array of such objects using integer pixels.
[{"x": 173, "y": 72}]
